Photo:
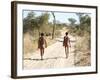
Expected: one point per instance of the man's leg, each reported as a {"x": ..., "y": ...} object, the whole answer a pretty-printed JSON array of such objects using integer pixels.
[
  {"x": 67, "y": 51},
  {"x": 41, "y": 52}
]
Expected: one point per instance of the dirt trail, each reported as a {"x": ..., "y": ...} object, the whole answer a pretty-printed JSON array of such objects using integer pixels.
[{"x": 54, "y": 57}]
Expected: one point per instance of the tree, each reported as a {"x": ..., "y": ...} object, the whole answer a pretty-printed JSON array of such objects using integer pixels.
[
  {"x": 86, "y": 20},
  {"x": 79, "y": 16},
  {"x": 27, "y": 22},
  {"x": 85, "y": 23},
  {"x": 80, "y": 19},
  {"x": 54, "y": 25},
  {"x": 30, "y": 15},
  {"x": 43, "y": 22},
  {"x": 72, "y": 21},
  {"x": 31, "y": 22}
]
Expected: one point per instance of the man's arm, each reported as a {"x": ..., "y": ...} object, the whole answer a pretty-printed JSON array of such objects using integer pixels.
[
  {"x": 38, "y": 43},
  {"x": 64, "y": 41}
]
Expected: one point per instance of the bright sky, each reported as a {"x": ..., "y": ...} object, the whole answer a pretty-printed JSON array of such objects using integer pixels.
[{"x": 62, "y": 17}]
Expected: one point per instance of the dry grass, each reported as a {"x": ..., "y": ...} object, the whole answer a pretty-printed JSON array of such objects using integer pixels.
[
  {"x": 82, "y": 52},
  {"x": 31, "y": 45},
  {"x": 83, "y": 59}
]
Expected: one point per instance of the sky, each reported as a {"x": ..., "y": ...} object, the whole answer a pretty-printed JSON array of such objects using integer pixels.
[{"x": 62, "y": 17}]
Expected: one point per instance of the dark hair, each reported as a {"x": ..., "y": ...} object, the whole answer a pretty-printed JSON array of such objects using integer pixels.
[
  {"x": 66, "y": 33},
  {"x": 42, "y": 34}
]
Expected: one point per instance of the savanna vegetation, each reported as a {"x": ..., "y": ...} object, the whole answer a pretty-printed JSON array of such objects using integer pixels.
[
  {"x": 33, "y": 25},
  {"x": 82, "y": 32}
]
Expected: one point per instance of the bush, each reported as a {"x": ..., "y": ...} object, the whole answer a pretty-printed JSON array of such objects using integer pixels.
[{"x": 57, "y": 33}]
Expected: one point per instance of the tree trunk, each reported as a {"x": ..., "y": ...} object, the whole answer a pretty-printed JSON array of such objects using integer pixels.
[
  {"x": 39, "y": 32},
  {"x": 54, "y": 25}
]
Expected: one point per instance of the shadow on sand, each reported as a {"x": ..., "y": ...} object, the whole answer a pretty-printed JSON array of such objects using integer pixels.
[{"x": 45, "y": 58}]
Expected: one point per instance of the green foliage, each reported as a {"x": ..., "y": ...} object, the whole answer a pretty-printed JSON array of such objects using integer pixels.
[
  {"x": 34, "y": 25},
  {"x": 43, "y": 21},
  {"x": 83, "y": 30},
  {"x": 27, "y": 22},
  {"x": 84, "y": 26},
  {"x": 72, "y": 21},
  {"x": 31, "y": 23}
]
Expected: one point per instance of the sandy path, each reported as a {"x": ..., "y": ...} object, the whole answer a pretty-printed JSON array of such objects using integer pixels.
[{"x": 54, "y": 57}]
